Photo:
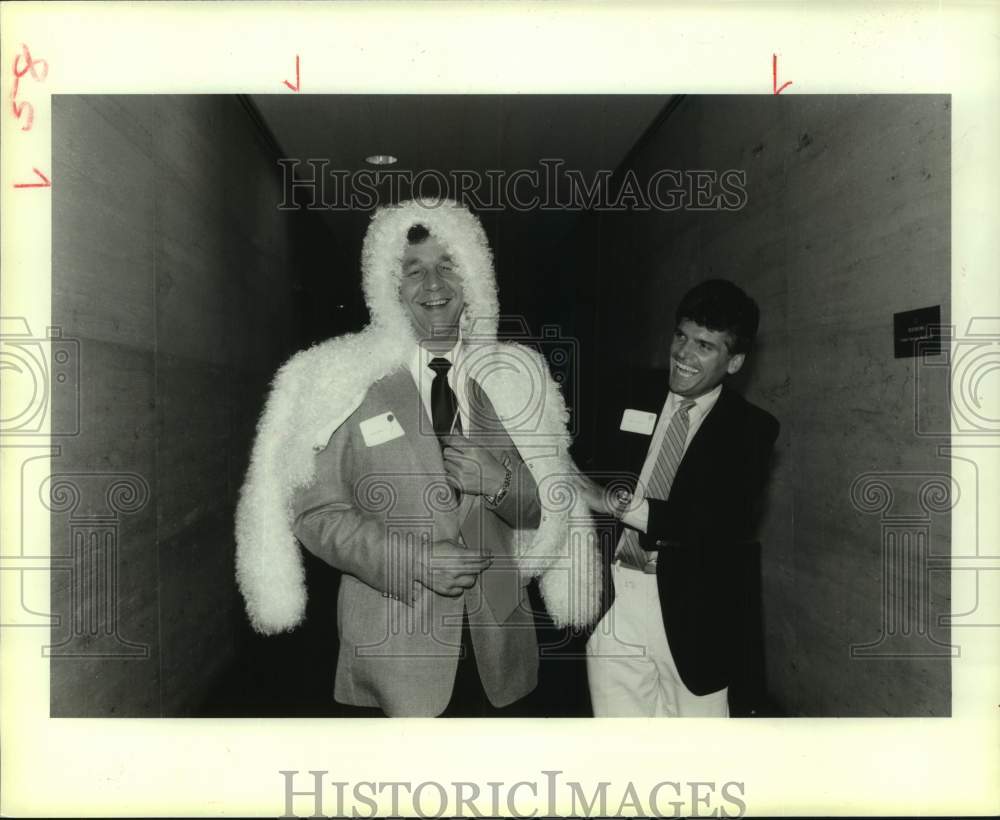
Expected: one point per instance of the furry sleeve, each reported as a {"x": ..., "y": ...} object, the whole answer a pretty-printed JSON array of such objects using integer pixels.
[
  {"x": 311, "y": 396},
  {"x": 267, "y": 556},
  {"x": 563, "y": 552}
]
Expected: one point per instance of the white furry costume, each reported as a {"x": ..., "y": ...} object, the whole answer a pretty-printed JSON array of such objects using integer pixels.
[{"x": 317, "y": 390}]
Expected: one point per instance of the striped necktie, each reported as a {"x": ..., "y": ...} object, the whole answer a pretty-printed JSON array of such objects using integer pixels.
[{"x": 664, "y": 469}]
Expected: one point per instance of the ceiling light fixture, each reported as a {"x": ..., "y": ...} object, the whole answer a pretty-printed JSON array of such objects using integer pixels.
[{"x": 381, "y": 159}]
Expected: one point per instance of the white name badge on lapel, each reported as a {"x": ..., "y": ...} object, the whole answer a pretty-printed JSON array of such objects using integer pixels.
[
  {"x": 638, "y": 421},
  {"x": 380, "y": 429}
]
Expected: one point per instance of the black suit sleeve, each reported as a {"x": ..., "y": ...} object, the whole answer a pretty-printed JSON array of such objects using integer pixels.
[{"x": 662, "y": 530}]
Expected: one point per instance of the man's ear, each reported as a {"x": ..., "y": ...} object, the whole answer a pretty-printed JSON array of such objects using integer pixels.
[{"x": 735, "y": 363}]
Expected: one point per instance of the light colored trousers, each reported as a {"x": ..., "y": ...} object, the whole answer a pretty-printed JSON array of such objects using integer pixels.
[{"x": 629, "y": 665}]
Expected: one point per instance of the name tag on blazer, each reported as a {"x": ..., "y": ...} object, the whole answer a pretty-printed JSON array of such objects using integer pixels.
[
  {"x": 380, "y": 429},
  {"x": 638, "y": 421}
]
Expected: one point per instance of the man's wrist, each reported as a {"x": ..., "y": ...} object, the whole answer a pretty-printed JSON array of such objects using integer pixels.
[
  {"x": 495, "y": 498},
  {"x": 420, "y": 569},
  {"x": 637, "y": 516},
  {"x": 620, "y": 500}
]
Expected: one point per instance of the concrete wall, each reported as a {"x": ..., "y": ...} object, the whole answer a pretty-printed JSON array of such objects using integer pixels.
[
  {"x": 847, "y": 222},
  {"x": 182, "y": 286},
  {"x": 184, "y": 290}
]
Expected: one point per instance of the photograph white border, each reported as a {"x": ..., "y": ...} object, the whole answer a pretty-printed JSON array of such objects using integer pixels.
[{"x": 226, "y": 767}]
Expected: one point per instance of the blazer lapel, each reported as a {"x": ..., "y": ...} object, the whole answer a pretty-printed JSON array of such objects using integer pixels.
[
  {"x": 486, "y": 429},
  {"x": 709, "y": 436},
  {"x": 403, "y": 399},
  {"x": 499, "y": 584},
  {"x": 481, "y": 418}
]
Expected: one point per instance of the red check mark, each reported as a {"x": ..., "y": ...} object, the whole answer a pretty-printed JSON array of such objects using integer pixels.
[
  {"x": 774, "y": 76},
  {"x": 45, "y": 181},
  {"x": 297, "y": 83}
]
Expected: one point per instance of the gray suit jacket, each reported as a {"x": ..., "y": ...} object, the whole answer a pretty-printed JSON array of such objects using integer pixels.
[{"x": 364, "y": 513}]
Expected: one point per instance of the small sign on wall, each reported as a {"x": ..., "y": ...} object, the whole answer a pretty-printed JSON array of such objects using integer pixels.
[{"x": 917, "y": 332}]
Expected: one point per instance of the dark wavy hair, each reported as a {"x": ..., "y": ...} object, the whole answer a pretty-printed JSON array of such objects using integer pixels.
[
  {"x": 722, "y": 306},
  {"x": 417, "y": 234}
]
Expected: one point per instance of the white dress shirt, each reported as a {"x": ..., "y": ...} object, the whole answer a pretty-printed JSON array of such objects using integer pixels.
[
  {"x": 637, "y": 516},
  {"x": 423, "y": 377}
]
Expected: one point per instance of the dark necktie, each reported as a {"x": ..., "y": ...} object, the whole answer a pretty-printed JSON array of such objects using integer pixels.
[{"x": 444, "y": 404}]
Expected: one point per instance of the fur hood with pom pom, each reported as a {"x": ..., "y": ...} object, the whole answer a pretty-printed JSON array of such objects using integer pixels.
[{"x": 316, "y": 390}]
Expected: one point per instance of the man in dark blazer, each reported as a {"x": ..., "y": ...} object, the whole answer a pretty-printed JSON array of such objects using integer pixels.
[{"x": 682, "y": 637}]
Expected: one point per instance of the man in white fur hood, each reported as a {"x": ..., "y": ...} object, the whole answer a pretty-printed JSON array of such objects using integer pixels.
[{"x": 428, "y": 463}]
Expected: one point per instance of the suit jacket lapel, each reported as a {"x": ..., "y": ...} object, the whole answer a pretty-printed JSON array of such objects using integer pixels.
[
  {"x": 481, "y": 417},
  {"x": 708, "y": 437},
  {"x": 499, "y": 584},
  {"x": 403, "y": 398}
]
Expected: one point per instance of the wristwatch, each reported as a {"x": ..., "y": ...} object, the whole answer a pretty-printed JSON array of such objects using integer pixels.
[
  {"x": 621, "y": 499},
  {"x": 495, "y": 499}
]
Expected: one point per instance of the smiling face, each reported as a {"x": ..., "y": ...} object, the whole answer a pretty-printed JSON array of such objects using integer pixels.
[
  {"x": 431, "y": 292},
  {"x": 700, "y": 359}
]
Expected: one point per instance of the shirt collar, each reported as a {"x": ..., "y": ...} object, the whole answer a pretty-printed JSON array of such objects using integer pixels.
[
  {"x": 702, "y": 404},
  {"x": 422, "y": 356}
]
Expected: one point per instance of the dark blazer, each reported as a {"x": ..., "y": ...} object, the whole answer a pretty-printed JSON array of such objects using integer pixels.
[{"x": 708, "y": 565}]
